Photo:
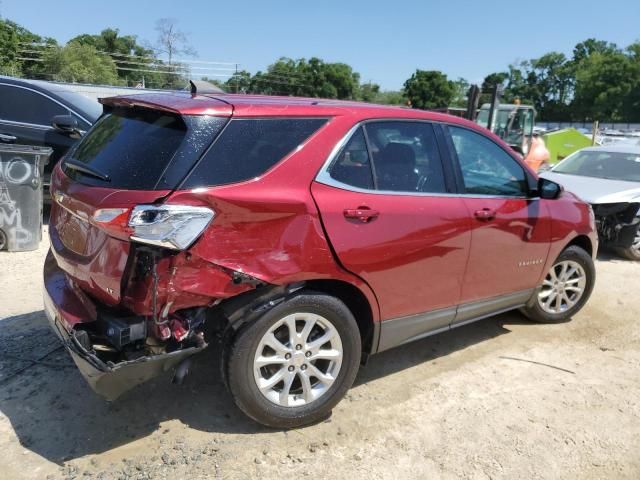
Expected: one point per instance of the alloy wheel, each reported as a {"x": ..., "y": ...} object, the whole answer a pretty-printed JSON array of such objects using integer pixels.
[
  {"x": 298, "y": 359},
  {"x": 563, "y": 287}
]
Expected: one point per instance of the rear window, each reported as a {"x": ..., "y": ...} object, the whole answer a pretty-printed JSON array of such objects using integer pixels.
[
  {"x": 247, "y": 148},
  {"x": 135, "y": 147}
]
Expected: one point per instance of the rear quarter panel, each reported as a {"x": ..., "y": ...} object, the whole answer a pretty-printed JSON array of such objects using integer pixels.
[{"x": 270, "y": 228}]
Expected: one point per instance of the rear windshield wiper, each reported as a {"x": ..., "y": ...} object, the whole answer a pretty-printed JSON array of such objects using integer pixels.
[{"x": 86, "y": 169}]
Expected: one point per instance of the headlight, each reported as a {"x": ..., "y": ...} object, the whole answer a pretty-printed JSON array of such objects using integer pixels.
[{"x": 169, "y": 226}]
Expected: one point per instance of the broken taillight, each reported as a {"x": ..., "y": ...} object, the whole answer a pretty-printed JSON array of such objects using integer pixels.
[{"x": 170, "y": 226}]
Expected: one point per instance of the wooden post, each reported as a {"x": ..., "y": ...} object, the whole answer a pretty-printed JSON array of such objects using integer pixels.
[{"x": 595, "y": 131}]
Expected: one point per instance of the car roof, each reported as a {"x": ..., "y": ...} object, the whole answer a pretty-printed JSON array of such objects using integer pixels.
[{"x": 241, "y": 105}]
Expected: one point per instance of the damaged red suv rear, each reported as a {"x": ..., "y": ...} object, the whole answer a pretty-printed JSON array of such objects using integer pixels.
[{"x": 308, "y": 234}]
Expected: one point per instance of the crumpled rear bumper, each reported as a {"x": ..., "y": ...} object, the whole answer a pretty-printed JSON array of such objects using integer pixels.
[{"x": 66, "y": 308}]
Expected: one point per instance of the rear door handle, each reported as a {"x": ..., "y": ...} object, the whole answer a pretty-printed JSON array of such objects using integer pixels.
[
  {"x": 7, "y": 138},
  {"x": 485, "y": 214},
  {"x": 364, "y": 214}
]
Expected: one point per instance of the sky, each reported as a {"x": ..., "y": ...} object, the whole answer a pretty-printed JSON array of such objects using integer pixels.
[{"x": 384, "y": 41}]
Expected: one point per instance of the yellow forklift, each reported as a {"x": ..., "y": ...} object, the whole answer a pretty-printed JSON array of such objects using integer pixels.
[{"x": 513, "y": 122}]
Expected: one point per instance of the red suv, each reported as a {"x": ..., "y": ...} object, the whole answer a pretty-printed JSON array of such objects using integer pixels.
[{"x": 306, "y": 234}]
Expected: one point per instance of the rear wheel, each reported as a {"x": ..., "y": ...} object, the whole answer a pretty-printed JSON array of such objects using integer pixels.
[
  {"x": 565, "y": 289},
  {"x": 632, "y": 252},
  {"x": 296, "y": 362}
]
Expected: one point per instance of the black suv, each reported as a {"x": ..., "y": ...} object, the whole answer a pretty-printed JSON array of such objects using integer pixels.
[{"x": 46, "y": 114}]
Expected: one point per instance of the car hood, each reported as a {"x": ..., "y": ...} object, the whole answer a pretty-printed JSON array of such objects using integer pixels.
[{"x": 597, "y": 190}]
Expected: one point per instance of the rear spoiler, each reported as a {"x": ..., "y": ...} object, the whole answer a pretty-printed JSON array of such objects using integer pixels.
[{"x": 176, "y": 103}]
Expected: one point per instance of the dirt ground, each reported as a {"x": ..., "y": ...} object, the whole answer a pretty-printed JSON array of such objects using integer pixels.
[{"x": 502, "y": 398}]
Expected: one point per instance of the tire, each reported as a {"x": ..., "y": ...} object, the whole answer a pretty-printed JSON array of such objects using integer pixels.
[
  {"x": 633, "y": 251},
  {"x": 562, "y": 296},
  {"x": 305, "y": 401}
]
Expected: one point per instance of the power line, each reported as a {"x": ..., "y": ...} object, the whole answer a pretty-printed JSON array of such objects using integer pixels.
[{"x": 114, "y": 54}]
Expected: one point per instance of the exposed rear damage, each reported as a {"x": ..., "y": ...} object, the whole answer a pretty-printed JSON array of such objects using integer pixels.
[{"x": 116, "y": 349}]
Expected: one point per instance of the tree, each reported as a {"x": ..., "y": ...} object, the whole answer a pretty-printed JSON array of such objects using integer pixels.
[
  {"x": 9, "y": 44},
  {"x": 604, "y": 83},
  {"x": 16, "y": 44},
  {"x": 172, "y": 41},
  {"x": 368, "y": 92},
  {"x": 312, "y": 78},
  {"x": 390, "y": 97},
  {"x": 239, "y": 82},
  {"x": 134, "y": 62},
  {"x": 429, "y": 89},
  {"x": 80, "y": 63},
  {"x": 461, "y": 87}
]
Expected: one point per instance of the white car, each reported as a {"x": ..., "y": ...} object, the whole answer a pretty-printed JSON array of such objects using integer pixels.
[{"x": 608, "y": 177}]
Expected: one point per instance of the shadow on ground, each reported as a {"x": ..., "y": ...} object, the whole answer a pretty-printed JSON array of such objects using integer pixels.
[{"x": 55, "y": 414}]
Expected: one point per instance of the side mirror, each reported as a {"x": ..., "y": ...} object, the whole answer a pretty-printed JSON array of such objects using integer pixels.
[
  {"x": 66, "y": 124},
  {"x": 549, "y": 190}
]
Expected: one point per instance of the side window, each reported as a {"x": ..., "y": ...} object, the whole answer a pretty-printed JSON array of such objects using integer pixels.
[
  {"x": 247, "y": 148},
  {"x": 406, "y": 157},
  {"x": 26, "y": 106},
  {"x": 486, "y": 168},
  {"x": 353, "y": 166}
]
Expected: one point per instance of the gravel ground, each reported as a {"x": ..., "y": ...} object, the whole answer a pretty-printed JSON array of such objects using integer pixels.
[{"x": 502, "y": 398}]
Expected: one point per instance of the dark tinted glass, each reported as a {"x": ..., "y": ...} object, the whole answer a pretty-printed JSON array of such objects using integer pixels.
[
  {"x": 406, "y": 157},
  {"x": 352, "y": 166},
  {"x": 26, "y": 106},
  {"x": 131, "y": 146},
  {"x": 486, "y": 168},
  {"x": 248, "y": 148}
]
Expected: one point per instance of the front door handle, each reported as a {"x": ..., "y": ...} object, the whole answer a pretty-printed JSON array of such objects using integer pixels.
[
  {"x": 363, "y": 214},
  {"x": 7, "y": 138},
  {"x": 485, "y": 214}
]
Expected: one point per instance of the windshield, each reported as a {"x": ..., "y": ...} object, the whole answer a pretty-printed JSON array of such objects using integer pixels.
[
  {"x": 512, "y": 125},
  {"x": 609, "y": 165}
]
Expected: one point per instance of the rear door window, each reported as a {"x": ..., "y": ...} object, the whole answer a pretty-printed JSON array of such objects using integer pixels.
[
  {"x": 353, "y": 165},
  {"x": 406, "y": 157},
  {"x": 134, "y": 148},
  {"x": 27, "y": 106},
  {"x": 247, "y": 148}
]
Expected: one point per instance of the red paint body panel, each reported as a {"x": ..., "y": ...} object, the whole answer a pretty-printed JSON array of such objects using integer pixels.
[
  {"x": 413, "y": 255},
  {"x": 508, "y": 251},
  {"x": 571, "y": 218}
]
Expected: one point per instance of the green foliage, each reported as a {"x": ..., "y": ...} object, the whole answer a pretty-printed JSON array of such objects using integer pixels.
[
  {"x": 460, "y": 96},
  {"x": 134, "y": 62},
  {"x": 307, "y": 78},
  {"x": 429, "y": 89},
  {"x": 80, "y": 63},
  {"x": 240, "y": 82},
  {"x": 13, "y": 49},
  {"x": 598, "y": 81}
]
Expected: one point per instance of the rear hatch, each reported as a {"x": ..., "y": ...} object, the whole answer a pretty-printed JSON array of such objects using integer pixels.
[{"x": 137, "y": 153}]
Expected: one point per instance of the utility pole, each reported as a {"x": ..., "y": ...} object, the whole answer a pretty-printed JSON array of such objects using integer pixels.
[{"x": 236, "y": 74}]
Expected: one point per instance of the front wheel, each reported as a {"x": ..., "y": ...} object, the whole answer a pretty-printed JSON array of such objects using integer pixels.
[
  {"x": 565, "y": 289},
  {"x": 296, "y": 362}
]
